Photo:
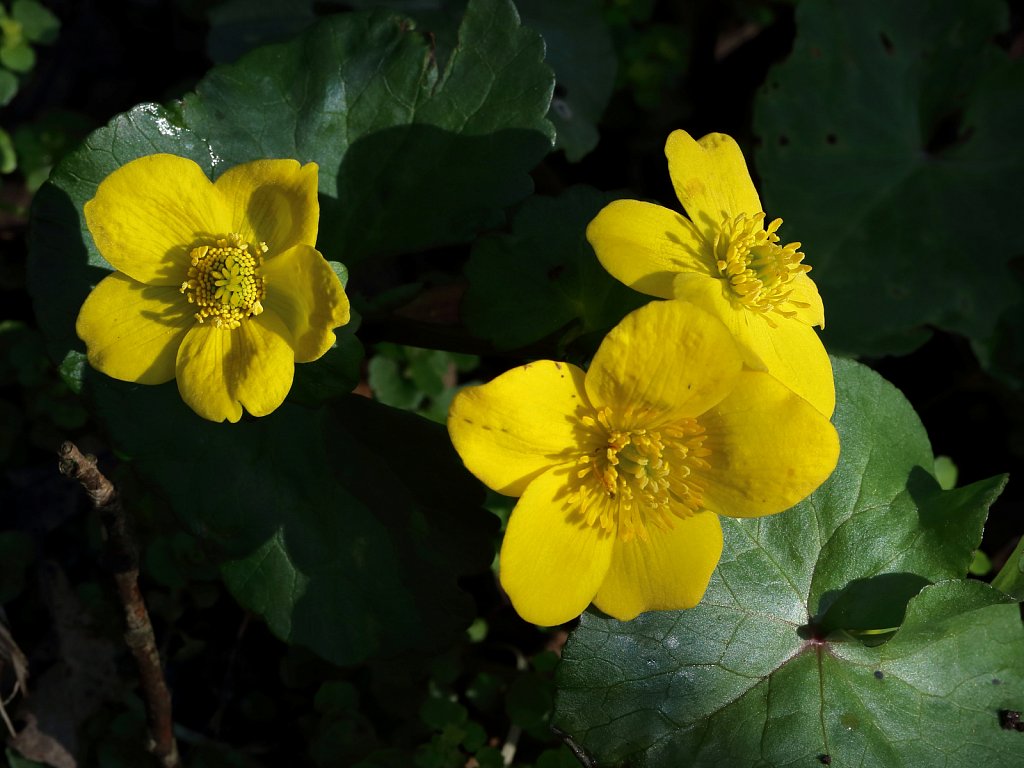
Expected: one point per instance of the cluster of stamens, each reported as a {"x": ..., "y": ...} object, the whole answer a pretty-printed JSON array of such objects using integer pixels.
[
  {"x": 224, "y": 281},
  {"x": 636, "y": 477},
  {"x": 758, "y": 269}
]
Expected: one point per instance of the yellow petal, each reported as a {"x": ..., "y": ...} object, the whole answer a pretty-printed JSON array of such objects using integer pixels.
[
  {"x": 710, "y": 178},
  {"x": 790, "y": 350},
  {"x": 221, "y": 371},
  {"x": 806, "y": 292},
  {"x": 148, "y": 213},
  {"x": 668, "y": 572},
  {"x": 552, "y": 562},
  {"x": 132, "y": 331},
  {"x": 303, "y": 290},
  {"x": 668, "y": 358},
  {"x": 525, "y": 421},
  {"x": 274, "y": 202},
  {"x": 769, "y": 449},
  {"x": 644, "y": 246}
]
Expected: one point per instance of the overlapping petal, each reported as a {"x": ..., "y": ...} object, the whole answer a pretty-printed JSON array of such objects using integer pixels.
[
  {"x": 667, "y": 358},
  {"x": 670, "y": 571},
  {"x": 789, "y": 350},
  {"x": 711, "y": 179},
  {"x": 644, "y": 246},
  {"x": 149, "y": 212},
  {"x": 303, "y": 290},
  {"x": 132, "y": 331},
  {"x": 770, "y": 448},
  {"x": 552, "y": 562},
  {"x": 219, "y": 372},
  {"x": 515, "y": 427},
  {"x": 273, "y": 201}
]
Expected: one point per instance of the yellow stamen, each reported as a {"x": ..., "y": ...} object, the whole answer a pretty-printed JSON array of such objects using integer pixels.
[
  {"x": 635, "y": 477},
  {"x": 757, "y": 268},
  {"x": 224, "y": 281}
]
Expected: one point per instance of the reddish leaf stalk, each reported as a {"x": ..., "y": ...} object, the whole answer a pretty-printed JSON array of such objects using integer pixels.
[{"x": 122, "y": 557}]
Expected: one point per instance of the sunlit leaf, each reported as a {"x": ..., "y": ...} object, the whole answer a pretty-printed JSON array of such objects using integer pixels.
[{"x": 770, "y": 668}]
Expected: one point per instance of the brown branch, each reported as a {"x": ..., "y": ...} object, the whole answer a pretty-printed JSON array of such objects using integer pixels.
[{"x": 122, "y": 557}]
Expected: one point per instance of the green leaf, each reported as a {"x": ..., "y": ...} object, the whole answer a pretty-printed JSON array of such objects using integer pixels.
[
  {"x": 345, "y": 527},
  {"x": 38, "y": 24},
  {"x": 8, "y": 157},
  {"x": 768, "y": 668},
  {"x": 1010, "y": 578},
  {"x": 410, "y": 157},
  {"x": 580, "y": 50},
  {"x": 8, "y": 87},
  {"x": 543, "y": 275},
  {"x": 18, "y": 57},
  {"x": 890, "y": 149}
]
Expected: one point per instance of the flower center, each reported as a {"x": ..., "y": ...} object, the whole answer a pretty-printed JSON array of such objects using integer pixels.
[
  {"x": 759, "y": 270},
  {"x": 224, "y": 281},
  {"x": 637, "y": 477}
]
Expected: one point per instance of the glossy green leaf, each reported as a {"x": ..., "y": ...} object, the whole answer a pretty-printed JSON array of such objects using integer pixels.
[
  {"x": 891, "y": 150},
  {"x": 543, "y": 275},
  {"x": 768, "y": 668},
  {"x": 411, "y": 157},
  {"x": 327, "y": 522}
]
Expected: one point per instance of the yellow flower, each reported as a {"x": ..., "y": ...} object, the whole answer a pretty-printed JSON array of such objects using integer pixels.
[
  {"x": 217, "y": 284},
  {"x": 726, "y": 259},
  {"x": 623, "y": 470}
]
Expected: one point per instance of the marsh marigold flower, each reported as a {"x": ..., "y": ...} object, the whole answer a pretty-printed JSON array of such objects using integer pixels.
[
  {"x": 726, "y": 258},
  {"x": 218, "y": 284},
  {"x": 623, "y": 470}
]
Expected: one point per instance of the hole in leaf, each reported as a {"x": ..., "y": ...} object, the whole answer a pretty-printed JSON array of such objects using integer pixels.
[{"x": 886, "y": 43}]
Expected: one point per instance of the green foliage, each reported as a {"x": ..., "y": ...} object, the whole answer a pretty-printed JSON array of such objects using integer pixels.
[
  {"x": 891, "y": 153},
  {"x": 411, "y": 156},
  {"x": 420, "y": 380},
  {"x": 780, "y": 662},
  {"x": 542, "y": 276},
  {"x": 322, "y": 579}
]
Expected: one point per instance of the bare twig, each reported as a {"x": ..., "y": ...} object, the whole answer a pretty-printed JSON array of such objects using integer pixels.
[{"x": 123, "y": 559}]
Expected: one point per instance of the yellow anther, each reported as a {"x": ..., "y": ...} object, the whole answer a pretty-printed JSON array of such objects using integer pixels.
[
  {"x": 759, "y": 270},
  {"x": 636, "y": 477},
  {"x": 224, "y": 281}
]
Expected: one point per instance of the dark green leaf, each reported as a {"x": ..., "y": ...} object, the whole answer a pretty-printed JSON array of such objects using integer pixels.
[
  {"x": 345, "y": 527},
  {"x": 579, "y": 48},
  {"x": 763, "y": 671},
  {"x": 890, "y": 148},
  {"x": 410, "y": 157},
  {"x": 543, "y": 275}
]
